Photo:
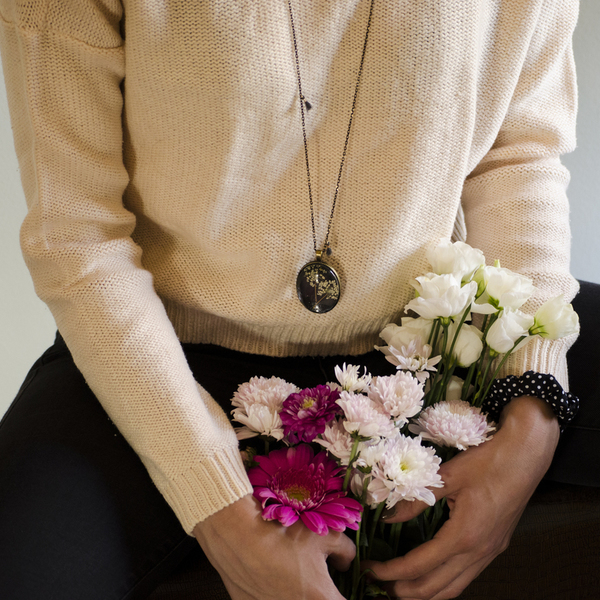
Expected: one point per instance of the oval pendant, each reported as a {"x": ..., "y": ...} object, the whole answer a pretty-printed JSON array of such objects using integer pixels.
[{"x": 318, "y": 287}]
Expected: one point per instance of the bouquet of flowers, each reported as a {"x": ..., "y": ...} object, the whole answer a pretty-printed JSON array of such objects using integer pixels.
[{"x": 337, "y": 455}]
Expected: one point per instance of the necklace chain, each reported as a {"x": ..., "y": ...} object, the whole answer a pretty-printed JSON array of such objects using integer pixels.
[{"x": 302, "y": 114}]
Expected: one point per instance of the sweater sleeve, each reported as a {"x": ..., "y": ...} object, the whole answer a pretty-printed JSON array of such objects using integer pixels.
[
  {"x": 64, "y": 64},
  {"x": 515, "y": 201}
]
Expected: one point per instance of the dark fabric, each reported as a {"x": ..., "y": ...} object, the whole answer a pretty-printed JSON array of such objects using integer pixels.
[
  {"x": 79, "y": 516},
  {"x": 554, "y": 555},
  {"x": 577, "y": 458}
]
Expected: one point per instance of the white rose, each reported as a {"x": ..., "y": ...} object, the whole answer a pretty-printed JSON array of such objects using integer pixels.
[
  {"x": 459, "y": 259},
  {"x": 507, "y": 329},
  {"x": 503, "y": 288},
  {"x": 441, "y": 296},
  {"x": 555, "y": 319},
  {"x": 468, "y": 346},
  {"x": 401, "y": 336}
]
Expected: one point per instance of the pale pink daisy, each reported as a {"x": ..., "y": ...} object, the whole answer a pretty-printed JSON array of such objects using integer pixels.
[
  {"x": 400, "y": 396},
  {"x": 415, "y": 357},
  {"x": 350, "y": 380},
  {"x": 258, "y": 403},
  {"x": 405, "y": 471},
  {"x": 257, "y": 419},
  {"x": 363, "y": 417},
  {"x": 269, "y": 392},
  {"x": 337, "y": 441},
  {"x": 453, "y": 423}
]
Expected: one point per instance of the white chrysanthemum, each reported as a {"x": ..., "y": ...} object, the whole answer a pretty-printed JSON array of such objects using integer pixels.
[
  {"x": 350, "y": 380},
  {"x": 258, "y": 420},
  {"x": 400, "y": 396},
  {"x": 269, "y": 392},
  {"x": 453, "y": 423},
  {"x": 337, "y": 441},
  {"x": 405, "y": 471},
  {"x": 370, "y": 453},
  {"x": 363, "y": 417}
]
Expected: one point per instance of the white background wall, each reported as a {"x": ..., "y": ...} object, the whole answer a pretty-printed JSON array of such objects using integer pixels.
[{"x": 27, "y": 327}]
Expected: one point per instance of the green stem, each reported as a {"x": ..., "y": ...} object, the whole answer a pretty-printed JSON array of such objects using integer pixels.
[
  {"x": 356, "y": 566},
  {"x": 461, "y": 323},
  {"x": 467, "y": 383},
  {"x": 396, "y": 530},
  {"x": 373, "y": 528},
  {"x": 500, "y": 365},
  {"x": 350, "y": 463}
]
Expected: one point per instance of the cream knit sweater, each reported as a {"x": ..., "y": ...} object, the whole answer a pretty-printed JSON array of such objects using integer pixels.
[{"x": 162, "y": 160}]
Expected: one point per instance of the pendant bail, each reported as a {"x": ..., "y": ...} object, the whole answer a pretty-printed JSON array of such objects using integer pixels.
[{"x": 319, "y": 254}]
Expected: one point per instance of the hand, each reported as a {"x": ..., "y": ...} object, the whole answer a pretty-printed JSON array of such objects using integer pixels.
[
  {"x": 262, "y": 560},
  {"x": 487, "y": 488}
]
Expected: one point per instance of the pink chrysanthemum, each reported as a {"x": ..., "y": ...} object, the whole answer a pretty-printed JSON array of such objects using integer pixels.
[
  {"x": 305, "y": 414},
  {"x": 295, "y": 484},
  {"x": 364, "y": 417},
  {"x": 400, "y": 396},
  {"x": 453, "y": 423}
]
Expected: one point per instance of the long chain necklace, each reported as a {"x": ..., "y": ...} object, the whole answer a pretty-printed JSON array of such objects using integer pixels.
[{"x": 318, "y": 284}]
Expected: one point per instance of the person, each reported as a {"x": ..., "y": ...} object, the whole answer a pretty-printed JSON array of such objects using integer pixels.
[{"x": 163, "y": 157}]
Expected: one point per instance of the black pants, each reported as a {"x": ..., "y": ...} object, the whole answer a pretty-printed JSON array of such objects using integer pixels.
[{"x": 79, "y": 516}]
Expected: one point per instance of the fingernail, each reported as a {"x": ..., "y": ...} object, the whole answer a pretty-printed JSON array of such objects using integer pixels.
[{"x": 388, "y": 513}]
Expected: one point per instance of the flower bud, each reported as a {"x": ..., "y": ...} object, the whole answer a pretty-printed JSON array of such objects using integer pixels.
[
  {"x": 555, "y": 319},
  {"x": 507, "y": 329}
]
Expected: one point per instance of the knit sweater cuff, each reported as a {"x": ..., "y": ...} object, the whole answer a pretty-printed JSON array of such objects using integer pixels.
[
  {"x": 541, "y": 356},
  {"x": 206, "y": 488}
]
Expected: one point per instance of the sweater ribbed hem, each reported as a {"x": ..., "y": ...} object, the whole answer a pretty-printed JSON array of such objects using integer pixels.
[
  {"x": 278, "y": 340},
  {"x": 206, "y": 488}
]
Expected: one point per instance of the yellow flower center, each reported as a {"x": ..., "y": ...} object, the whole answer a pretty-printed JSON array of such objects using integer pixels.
[
  {"x": 308, "y": 402},
  {"x": 297, "y": 492}
]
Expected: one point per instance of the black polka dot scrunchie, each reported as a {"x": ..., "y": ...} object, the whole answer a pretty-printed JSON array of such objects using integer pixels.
[{"x": 563, "y": 404}]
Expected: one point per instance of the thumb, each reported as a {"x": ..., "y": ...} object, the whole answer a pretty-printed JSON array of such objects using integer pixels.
[
  {"x": 405, "y": 510},
  {"x": 340, "y": 549}
]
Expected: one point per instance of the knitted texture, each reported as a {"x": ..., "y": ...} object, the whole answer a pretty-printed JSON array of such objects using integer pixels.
[{"x": 167, "y": 195}]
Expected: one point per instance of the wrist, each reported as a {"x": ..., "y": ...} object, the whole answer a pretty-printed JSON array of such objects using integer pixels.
[{"x": 532, "y": 421}]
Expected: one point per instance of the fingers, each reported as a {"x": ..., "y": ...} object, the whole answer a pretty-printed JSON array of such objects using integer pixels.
[
  {"x": 405, "y": 511},
  {"x": 448, "y": 581},
  {"x": 340, "y": 550}
]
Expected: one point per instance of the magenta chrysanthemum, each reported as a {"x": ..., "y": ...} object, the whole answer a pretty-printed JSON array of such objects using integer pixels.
[
  {"x": 305, "y": 414},
  {"x": 295, "y": 484}
]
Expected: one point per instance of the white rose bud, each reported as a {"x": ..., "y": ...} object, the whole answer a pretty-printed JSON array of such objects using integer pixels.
[
  {"x": 459, "y": 258},
  {"x": 454, "y": 388},
  {"x": 510, "y": 326},
  {"x": 468, "y": 346},
  {"x": 555, "y": 319}
]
